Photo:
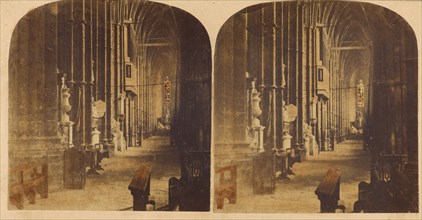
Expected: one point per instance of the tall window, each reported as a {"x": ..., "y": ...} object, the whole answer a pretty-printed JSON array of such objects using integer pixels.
[
  {"x": 320, "y": 75},
  {"x": 321, "y": 45},
  {"x": 128, "y": 71}
]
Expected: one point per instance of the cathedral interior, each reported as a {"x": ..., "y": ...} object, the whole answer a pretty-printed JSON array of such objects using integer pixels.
[
  {"x": 90, "y": 80},
  {"x": 306, "y": 106},
  {"x": 301, "y": 86}
]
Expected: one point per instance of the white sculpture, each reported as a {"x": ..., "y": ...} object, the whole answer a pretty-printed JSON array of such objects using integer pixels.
[
  {"x": 256, "y": 127},
  {"x": 360, "y": 91},
  {"x": 289, "y": 115},
  {"x": 307, "y": 132},
  {"x": 118, "y": 139},
  {"x": 256, "y": 109},
  {"x": 121, "y": 106},
  {"x": 98, "y": 109},
  {"x": 66, "y": 125},
  {"x": 167, "y": 99},
  {"x": 66, "y": 107},
  {"x": 95, "y": 136}
]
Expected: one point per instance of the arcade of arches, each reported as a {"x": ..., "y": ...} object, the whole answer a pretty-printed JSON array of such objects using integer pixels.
[{"x": 96, "y": 83}]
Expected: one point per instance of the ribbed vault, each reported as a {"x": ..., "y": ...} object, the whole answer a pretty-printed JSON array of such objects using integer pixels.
[{"x": 351, "y": 29}]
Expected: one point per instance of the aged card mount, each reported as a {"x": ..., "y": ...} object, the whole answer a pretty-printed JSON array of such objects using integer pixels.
[{"x": 299, "y": 88}]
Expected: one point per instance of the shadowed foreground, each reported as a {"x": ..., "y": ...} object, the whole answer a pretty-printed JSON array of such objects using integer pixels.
[
  {"x": 297, "y": 195},
  {"x": 109, "y": 190}
]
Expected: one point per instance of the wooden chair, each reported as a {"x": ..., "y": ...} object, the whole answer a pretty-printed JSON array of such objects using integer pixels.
[
  {"x": 226, "y": 188},
  {"x": 26, "y": 180}
]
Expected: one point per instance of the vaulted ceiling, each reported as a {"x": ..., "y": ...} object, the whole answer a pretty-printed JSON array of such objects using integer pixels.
[
  {"x": 352, "y": 27},
  {"x": 153, "y": 27}
]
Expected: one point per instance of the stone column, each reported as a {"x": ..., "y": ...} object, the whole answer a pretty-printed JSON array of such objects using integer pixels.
[
  {"x": 107, "y": 136},
  {"x": 298, "y": 74},
  {"x": 281, "y": 107},
  {"x": 314, "y": 119},
  {"x": 70, "y": 78},
  {"x": 47, "y": 138},
  {"x": 90, "y": 76},
  {"x": 273, "y": 87},
  {"x": 121, "y": 117},
  {"x": 112, "y": 88},
  {"x": 289, "y": 58},
  {"x": 262, "y": 85},
  {"x": 282, "y": 81},
  {"x": 80, "y": 63},
  {"x": 321, "y": 136}
]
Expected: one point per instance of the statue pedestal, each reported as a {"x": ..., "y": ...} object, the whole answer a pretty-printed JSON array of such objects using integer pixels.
[
  {"x": 67, "y": 128},
  {"x": 307, "y": 146},
  {"x": 111, "y": 149},
  {"x": 313, "y": 146},
  {"x": 116, "y": 142},
  {"x": 95, "y": 137},
  {"x": 258, "y": 138},
  {"x": 120, "y": 141},
  {"x": 287, "y": 141},
  {"x": 255, "y": 124}
]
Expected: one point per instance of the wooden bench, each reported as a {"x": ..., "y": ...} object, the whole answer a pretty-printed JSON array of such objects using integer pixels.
[
  {"x": 292, "y": 158},
  {"x": 173, "y": 194},
  {"x": 227, "y": 188},
  {"x": 91, "y": 160},
  {"x": 285, "y": 161},
  {"x": 263, "y": 174},
  {"x": 328, "y": 192},
  {"x": 27, "y": 180},
  {"x": 140, "y": 187},
  {"x": 102, "y": 152},
  {"x": 74, "y": 175},
  {"x": 95, "y": 155}
]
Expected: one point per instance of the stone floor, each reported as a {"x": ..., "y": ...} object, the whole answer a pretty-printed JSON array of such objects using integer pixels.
[
  {"x": 298, "y": 194},
  {"x": 109, "y": 190}
]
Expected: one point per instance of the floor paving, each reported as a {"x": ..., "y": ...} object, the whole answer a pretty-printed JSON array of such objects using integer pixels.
[
  {"x": 297, "y": 195},
  {"x": 109, "y": 189}
]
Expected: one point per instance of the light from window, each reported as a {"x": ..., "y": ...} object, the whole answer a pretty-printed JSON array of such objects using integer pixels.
[
  {"x": 320, "y": 75},
  {"x": 128, "y": 71},
  {"x": 321, "y": 45}
]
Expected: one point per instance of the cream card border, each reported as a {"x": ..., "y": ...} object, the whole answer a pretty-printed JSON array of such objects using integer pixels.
[{"x": 212, "y": 14}]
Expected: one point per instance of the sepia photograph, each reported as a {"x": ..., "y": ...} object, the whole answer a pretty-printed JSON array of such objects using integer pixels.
[
  {"x": 205, "y": 109},
  {"x": 109, "y": 108},
  {"x": 316, "y": 109}
]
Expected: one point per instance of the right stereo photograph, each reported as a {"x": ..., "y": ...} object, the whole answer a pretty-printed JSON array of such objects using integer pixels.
[{"x": 316, "y": 110}]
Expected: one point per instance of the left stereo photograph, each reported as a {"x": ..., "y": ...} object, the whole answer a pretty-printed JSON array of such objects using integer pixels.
[{"x": 109, "y": 108}]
